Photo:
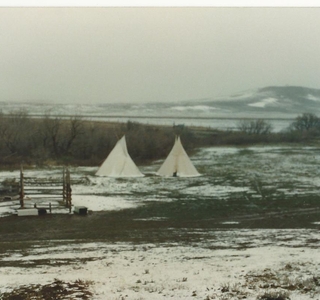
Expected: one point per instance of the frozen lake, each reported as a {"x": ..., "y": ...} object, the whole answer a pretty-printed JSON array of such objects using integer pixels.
[
  {"x": 157, "y": 114},
  {"x": 214, "y": 123}
]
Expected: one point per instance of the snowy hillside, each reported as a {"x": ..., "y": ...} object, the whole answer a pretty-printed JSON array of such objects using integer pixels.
[{"x": 269, "y": 102}]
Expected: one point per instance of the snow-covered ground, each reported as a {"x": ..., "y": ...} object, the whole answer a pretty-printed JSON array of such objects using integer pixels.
[
  {"x": 172, "y": 271},
  {"x": 222, "y": 264}
]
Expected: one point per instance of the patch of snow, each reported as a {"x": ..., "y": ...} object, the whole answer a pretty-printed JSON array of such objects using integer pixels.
[
  {"x": 264, "y": 102},
  {"x": 8, "y": 208},
  {"x": 103, "y": 203},
  {"x": 230, "y": 223},
  {"x": 312, "y": 97},
  {"x": 163, "y": 271},
  {"x": 214, "y": 191},
  {"x": 207, "y": 153},
  {"x": 152, "y": 219}
]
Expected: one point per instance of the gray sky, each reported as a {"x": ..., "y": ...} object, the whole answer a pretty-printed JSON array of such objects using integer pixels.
[{"x": 104, "y": 55}]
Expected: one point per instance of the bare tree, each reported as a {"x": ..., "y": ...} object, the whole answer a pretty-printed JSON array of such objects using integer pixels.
[
  {"x": 306, "y": 122},
  {"x": 50, "y": 131},
  {"x": 74, "y": 129},
  {"x": 14, "y": 130},
  {"x": 258, "y": 126}
]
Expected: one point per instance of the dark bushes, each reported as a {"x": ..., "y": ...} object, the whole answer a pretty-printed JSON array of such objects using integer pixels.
[
  {"x": 306, "y": 122},
  {"x": 58, "y": 289},
  {"x": 255, "y": 127},
  {"x": 305, "y": 128},
  {"x": 75, "y": 141},
  {"x": 51, "y": 140}
]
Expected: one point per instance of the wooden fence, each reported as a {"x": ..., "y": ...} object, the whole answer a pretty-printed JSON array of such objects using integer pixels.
[{"x": 57, "y": 190}]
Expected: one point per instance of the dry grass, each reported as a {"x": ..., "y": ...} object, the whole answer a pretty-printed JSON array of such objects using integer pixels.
[
  {"x": 274, "y": 295},
  {"x": 56, "y": 290}
]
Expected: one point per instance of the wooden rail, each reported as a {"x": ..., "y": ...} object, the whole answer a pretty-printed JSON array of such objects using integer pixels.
[{"x": 47, "y": 190}]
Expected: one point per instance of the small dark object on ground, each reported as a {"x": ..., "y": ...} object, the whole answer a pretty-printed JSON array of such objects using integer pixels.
[
  {"x": 81, "y": 210},
  {"x": 42, "y": 211}
]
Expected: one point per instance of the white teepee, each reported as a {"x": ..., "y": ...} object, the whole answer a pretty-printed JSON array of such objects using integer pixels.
[
  {"x": 178, "y": 163},
  {"x": 119, "y": 163}
]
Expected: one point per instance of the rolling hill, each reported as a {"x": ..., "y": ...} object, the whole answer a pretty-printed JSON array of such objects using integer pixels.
[
  {"x": 268, "y": 102},
  {"x": 273, "y": 101}
]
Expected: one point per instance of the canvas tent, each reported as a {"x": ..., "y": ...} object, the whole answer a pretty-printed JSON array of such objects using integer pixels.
[
  {"x": 119, "y": 163},
  {"x": 178, "y": 163}
]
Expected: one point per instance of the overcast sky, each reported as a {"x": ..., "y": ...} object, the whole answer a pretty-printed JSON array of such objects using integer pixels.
[{"x": 103, "y": 55}]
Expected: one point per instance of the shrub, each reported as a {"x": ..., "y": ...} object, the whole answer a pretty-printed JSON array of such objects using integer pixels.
[
  {"x": 258, "y": 126},
  {"x": 55, "y": 290},
  {"x": 306, "y": 122},
  {"x": 274, "y": 295}
]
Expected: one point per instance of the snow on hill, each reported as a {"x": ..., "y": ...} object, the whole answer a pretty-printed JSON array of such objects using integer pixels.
[{"x": 269, "y": 102}]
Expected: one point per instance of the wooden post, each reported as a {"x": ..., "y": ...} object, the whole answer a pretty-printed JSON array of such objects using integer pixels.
[
  {"x": 68, "y": 190},
  {"x": 21, "y": 194},
  {"x": 50, "y": 209},
  {"x": 64, "y": 196},
  {"x": 67, "y": 187}
]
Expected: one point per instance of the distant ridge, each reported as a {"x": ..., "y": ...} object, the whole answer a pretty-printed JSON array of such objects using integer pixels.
[
  {"x": 271, "y": 101},
  {"x": 277, "y": 102},
  {"x": 291, "y": 90}
]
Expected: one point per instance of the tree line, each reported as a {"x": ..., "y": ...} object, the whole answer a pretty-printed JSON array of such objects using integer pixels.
[
  {"x": 56, "y": 140},
  {"x": 305, "y": 128}
]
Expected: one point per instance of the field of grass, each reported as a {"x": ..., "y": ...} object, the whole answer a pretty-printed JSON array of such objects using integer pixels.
[
  {"x": 246, "y": 198},
  {"x": 257, "y": 187}
]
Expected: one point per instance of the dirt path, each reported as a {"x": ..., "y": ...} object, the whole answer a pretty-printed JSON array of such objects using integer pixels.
[{"x": 122, "y": 227}]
